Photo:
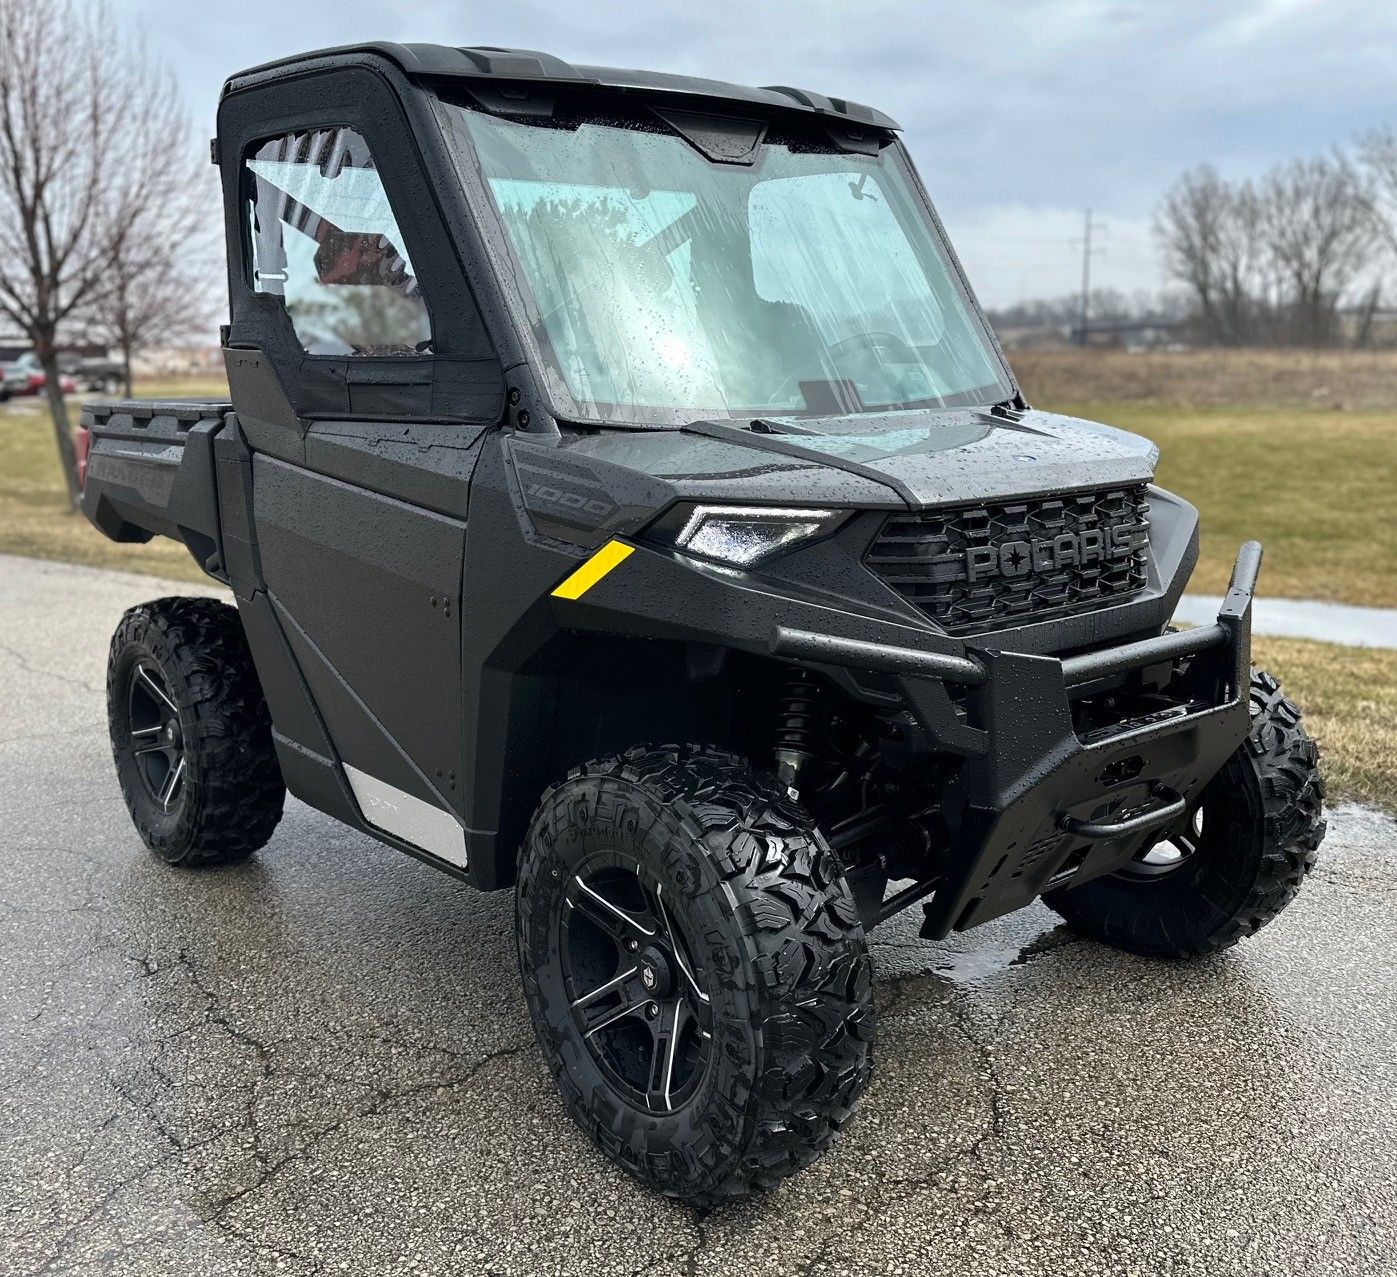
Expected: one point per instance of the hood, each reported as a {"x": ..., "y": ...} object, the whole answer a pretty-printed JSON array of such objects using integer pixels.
[
  {"x": 612, "y": 482},
  {"x": 890, "y": 461},
  {"x": 949, "y": 458}
]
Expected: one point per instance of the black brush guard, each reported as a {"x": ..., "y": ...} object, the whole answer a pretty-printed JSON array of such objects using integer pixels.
[{"x": 1038, "y": 803}]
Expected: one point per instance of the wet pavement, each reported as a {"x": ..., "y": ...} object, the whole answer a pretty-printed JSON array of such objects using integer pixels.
[
  {"x": 318, "y": 1062},
  {"x": 1303, "y": 619}
]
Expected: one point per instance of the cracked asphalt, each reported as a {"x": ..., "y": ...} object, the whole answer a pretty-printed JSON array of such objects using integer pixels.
[{"x": 319, "y": 1061}]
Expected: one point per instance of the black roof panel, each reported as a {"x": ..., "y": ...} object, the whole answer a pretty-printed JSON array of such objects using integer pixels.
[{"x": 432, "y": 61}]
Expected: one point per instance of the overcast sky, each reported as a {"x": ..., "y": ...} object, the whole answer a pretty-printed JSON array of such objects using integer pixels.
[{"x": 1019, "y": 114}]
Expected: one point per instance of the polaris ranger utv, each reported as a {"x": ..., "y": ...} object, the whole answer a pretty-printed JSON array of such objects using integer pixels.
[{"x": 577, "y": 411}]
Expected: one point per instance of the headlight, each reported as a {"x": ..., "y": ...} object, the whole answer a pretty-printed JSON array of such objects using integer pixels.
[{"x": 740, "y": 535}]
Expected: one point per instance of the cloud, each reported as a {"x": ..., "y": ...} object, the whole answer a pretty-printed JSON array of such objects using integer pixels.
[{"x": 1008, "y": 105}]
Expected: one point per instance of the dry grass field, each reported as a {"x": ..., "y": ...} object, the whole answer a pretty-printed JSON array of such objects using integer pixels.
[
  {"x": 1331, "y": 380},
  {"x": 1349, "y": 697}
]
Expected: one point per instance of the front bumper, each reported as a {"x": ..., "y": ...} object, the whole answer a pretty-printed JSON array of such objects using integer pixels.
[
  {"x": 1036, "y": 804},
  {"x": 1040, "y": 803}
]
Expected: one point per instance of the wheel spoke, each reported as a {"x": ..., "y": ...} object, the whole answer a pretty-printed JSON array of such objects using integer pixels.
[
  {"x": 167, "y": 792},
  {"x": 147, "y": 731},
  {"x": 675, "y": 947},
  {"x": 156, "y": 690},
  {"x": 616, "y": 922},
  {"x": 160, "y": 747},
  {"x": 1185, "y": 842},
  {"x": 604, "y": 1018},
  {"x": 667, "y": 1030},
  {"x": 605, "y": 988}
]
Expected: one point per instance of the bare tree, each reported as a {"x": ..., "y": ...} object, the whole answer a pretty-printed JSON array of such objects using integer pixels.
[
  {"x": 74, "y": 151},
  {"x": 1208, "y": 229},
  {"x": 1377, "y": 153},
  {"x": 1366, "y": 314},
  {"x": 149, "y": 299},
  {"x": 155, "y": 276},
  {"x": 1186, "y": 226},
  {"x": 1317, "y": 222},
  {"x": 1271, "y": 261}
]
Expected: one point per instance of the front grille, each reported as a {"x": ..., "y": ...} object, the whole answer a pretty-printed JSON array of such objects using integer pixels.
[{"x": 992, "y": 566}]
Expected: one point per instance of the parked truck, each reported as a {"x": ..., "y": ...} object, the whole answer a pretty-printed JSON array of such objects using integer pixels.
[{"x": 625, "y": 502}]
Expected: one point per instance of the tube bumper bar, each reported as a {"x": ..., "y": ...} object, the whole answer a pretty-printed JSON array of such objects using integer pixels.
[
  {"x": 1117, "y": 660},
  {"x": 1173, "y": 806},
  {"x": 827, "y": 649},
  {"x": 1110, "y": 661}
]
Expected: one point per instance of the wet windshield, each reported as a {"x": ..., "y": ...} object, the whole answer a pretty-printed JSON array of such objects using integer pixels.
[{"x": 664, "y": 287}]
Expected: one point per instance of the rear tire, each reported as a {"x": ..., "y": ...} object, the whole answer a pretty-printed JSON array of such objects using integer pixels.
[
  {"x": 191, "y": 734},
  {"x": 754, "y": 927},
  {"x": 1261, "y": 827}
]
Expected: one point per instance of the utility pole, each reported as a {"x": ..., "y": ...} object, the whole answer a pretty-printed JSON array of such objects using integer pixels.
[
  {"x": 1086, "y": 281},
  {"x": 1087, "y": 251}
]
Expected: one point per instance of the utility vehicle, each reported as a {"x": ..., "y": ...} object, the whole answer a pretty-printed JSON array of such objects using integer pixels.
[{"x": 625, "y": 501}]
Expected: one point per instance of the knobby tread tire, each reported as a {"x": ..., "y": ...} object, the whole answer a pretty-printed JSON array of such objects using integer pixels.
[
  {"x": 234, "y": 791},
  {"x": 749, "y": 862},
  {"x": 1264, "y": 822}
]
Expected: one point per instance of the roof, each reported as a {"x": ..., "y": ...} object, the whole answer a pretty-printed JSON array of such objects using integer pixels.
[{"x": 439, "y": 61}]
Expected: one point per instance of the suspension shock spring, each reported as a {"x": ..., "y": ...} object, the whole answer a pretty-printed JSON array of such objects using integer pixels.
[{"x": 797, "y": 727}]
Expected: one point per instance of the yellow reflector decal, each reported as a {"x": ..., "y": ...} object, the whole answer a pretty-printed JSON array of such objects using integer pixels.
[{"x": 611, "y": 555}]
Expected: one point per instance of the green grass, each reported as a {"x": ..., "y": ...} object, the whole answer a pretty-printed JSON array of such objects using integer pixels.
[{"x": 1317, "y": 488}]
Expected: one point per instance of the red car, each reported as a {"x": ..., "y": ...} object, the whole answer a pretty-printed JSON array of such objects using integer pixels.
[{"x": 26, "y": 377}]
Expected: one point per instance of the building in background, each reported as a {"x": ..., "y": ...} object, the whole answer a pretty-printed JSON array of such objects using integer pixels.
[{"x": 179, "y": 361}]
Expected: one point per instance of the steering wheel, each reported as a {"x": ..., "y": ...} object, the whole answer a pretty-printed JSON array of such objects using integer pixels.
[
  {"x": 872, "y": 342},
  {"x": 876, "y": 341}
]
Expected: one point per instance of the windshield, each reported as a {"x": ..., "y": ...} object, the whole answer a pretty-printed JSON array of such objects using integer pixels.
[{"x": 664, "y": 287}]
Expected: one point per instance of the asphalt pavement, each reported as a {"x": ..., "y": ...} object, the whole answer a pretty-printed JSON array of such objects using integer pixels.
[{"x": 319, "y": 1061}]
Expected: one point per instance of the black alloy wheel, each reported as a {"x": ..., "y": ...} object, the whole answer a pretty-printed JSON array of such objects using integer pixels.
[
  {"x": 631, "y": 985},
  {"x": 157, "y": 736}
]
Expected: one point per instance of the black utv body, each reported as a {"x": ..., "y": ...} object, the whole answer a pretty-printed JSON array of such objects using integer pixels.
[{"x": 576, "y": 412}]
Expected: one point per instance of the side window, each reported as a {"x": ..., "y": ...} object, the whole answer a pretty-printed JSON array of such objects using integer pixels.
[{"x": 325, "y": 241}]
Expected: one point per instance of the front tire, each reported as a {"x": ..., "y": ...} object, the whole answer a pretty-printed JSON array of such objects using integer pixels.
[
  {"x": 1241, "y": 857},
  {"x": 191, "y": 733},
  {"x": 695, "y": 969}
]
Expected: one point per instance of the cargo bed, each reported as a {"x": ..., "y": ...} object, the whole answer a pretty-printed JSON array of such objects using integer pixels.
[{"x": 151, "y": 472}]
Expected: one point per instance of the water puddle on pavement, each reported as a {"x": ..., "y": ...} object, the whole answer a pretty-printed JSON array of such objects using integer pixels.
[{"x": 965, "y": 958}]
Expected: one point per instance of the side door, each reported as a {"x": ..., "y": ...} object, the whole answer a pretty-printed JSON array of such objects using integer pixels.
[{"x": 361, "y": 459}]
